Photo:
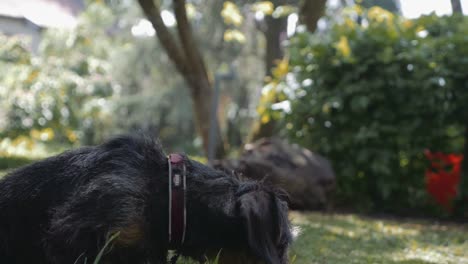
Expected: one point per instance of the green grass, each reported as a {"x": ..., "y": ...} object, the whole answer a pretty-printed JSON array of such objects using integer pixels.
[
  {"x": 7, "y": 163},
  {"x": 327, "y": 239}
]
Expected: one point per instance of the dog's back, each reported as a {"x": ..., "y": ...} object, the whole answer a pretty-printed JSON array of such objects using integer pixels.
[
  {"x": 55, "y": 209},
  {"x": 26, "y": 198}
]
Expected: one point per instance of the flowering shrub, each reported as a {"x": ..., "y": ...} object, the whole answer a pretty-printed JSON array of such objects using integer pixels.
[
  {"x": 443, "y": 177},
  {"x": 62, "y": 93},
  {"x": 371, "y": 97}
]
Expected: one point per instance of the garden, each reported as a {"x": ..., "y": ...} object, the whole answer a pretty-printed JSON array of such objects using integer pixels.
[{"x": 380, "y": 96}]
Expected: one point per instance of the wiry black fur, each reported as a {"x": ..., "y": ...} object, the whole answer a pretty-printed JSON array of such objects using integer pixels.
[{"x": 64, "y": 208}]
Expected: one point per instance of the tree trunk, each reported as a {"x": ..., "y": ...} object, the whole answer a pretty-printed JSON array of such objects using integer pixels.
[
  {"x": 456, "y": 7},
  {"x": 275, "y": 32},
  {"x": 202, "y": 96},
  {"x": 310, "y": 12},
  {"x": 189, "y": 62}
]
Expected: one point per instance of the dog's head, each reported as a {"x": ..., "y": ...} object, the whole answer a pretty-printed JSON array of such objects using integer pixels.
[
  {"x": 240, "y": 217},
  {"x": 264, "y": 215}
]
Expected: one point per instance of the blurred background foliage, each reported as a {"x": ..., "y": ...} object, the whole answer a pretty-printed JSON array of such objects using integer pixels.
[
  {"x": 369, "y": 89},
  {"x": 372, "y": 94},
  {"x": 61, "y": 95},
  {"x": 98, "y": 79}
]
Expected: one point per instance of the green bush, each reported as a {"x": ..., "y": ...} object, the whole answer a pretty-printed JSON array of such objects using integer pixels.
[
  {"x": 63, "y": 92},
  {"x": 372, "y": 96}
]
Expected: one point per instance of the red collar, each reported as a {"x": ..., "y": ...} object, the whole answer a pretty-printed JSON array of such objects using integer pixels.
[{"x": 177, "y": 200}]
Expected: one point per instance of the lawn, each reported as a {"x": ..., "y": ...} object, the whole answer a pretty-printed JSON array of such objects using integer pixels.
[{"x": 328, "y": 239}]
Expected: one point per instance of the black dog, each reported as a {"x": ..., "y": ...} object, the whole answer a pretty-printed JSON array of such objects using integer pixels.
[{"x": 64, "y": 209}]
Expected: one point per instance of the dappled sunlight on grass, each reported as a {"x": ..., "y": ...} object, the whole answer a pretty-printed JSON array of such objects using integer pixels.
[
  {"x": 354, "y": 239},
  {"x": 437, "y": 255}
]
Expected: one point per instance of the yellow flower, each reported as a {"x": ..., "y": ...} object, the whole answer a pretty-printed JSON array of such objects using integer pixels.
[
  {"x": 71, "y": 136},
  {"x": 47, "y": 134},
  {"x": 281, "y": 69},
  {"x": 35, "y": 134},
  {"x": 234, "y": 35},
  {"x": 231, "y": 14},
  {"x": 44, "y": 134},
  {"x": 380, "y": 15},
  {"x": 407, "y": 23},
  {"x": 350, "y": 23},
  {"x": 358, "y": 9},
  {"x": 343, "y": 47},
  {"x": 266, "y": 7},
  {"x": 326, "y": 108},
  {"x": 265, "y": 119},
  {"x": 33, "y": 76},
  {"x": 261, "y": 110}
]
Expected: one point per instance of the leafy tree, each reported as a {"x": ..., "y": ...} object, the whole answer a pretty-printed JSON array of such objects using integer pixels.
[
  {"x": 152, "y": 96},
  {"x": 188, "y": 61},
  {"x": 184, "y": 49},
  {"x": 61, "y": 93}
]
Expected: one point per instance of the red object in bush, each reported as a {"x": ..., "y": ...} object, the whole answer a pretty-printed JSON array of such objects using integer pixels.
[{"x": 443, "y": 177}]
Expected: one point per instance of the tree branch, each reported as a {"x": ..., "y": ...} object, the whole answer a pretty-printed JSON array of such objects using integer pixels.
[
  {"x": 188, "y": 43},
  {"x": 153, "y": 13}
]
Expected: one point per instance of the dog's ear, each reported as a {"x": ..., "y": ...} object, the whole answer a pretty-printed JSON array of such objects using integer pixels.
[{"x": 266, "y": 225}]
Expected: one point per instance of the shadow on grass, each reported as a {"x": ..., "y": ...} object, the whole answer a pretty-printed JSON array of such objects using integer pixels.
[{"x": 327, "y": 239}]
